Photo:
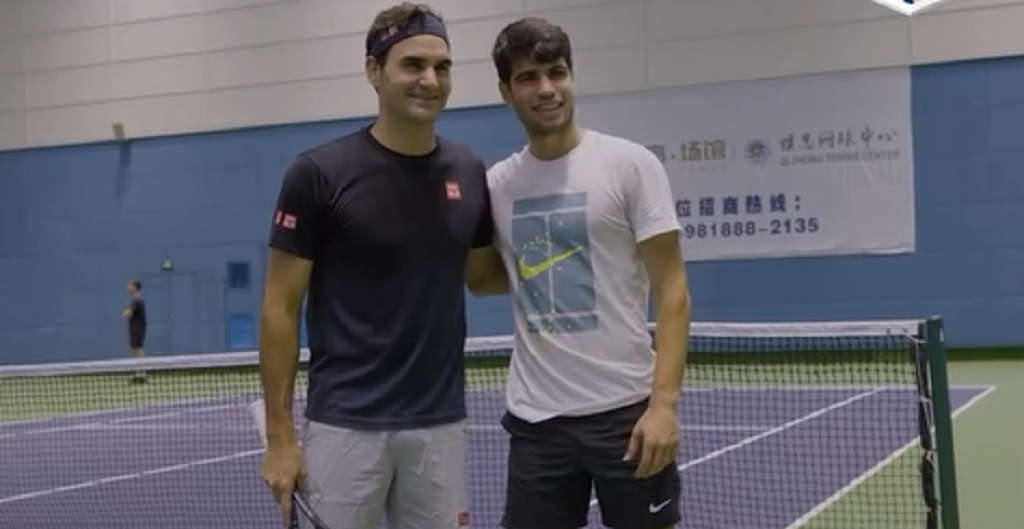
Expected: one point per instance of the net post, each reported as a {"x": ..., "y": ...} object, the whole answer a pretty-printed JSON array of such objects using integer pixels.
[{"x": 942, "y": 410}]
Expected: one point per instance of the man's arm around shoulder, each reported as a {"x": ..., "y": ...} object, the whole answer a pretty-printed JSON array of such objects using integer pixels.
[{"x": 485, "y": 273}]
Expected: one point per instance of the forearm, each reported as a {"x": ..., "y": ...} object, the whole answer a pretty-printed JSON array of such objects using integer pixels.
[
  {"x": 278, "y": 355},
  {"x": 671, "y": 341},
  {"x": 493, "y": 284},
  {"x": 485, "y": 273}
]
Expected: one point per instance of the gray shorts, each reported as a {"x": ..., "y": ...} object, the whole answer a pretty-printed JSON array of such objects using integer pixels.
[{"x": 417, "y": 478}]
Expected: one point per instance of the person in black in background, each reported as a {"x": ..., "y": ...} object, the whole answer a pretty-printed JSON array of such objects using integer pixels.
[{"x": 135, "y": 313}]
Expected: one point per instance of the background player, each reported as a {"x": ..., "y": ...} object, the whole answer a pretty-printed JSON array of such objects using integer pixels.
[
  {"x": 135, "y": 314},
  {"x": 586, "y": 222},
  {"x": 378, "y": 225}
]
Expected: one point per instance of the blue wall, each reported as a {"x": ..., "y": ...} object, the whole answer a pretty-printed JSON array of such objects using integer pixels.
[{"x": 76, "y": 222}]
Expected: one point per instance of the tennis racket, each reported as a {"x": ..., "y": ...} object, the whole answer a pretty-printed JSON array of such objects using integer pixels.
[{"x": 299, "y": 502}]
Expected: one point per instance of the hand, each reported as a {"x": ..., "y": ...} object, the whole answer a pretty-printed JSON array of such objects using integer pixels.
[
  {"x": 126, "y": 312},
  {"x": 281, "y": 470},
  {"x": 655, "y": 438}
]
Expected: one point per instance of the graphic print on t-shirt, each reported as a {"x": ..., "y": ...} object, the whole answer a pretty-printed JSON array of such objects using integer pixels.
[{"x": 552, "y": 251}]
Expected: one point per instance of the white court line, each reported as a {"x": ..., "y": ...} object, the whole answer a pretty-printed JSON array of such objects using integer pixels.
[
  {"x": 96, "y": 424},
  {"x": 126, "y": 477},
  {"x": 56, "y": 429},
  {"x": 781, "y": 388},
  {"x": 189, "y": 411},
  {"x": 114, "y": 411},
  {"x": 817, "y": 387},
  {"x": 694, "y": 389},
  {"x": 768, "y": 433},
  {"x": 684, "y": 428},
  {"x": 722, "y": 428},
  {"x": 857, "y": 481},
  {"x": 134, "y": 426},
  {"x": 172, "y": 427}
]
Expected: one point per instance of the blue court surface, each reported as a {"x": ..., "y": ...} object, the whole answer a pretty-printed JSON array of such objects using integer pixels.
[{"x": 750, "y": 458}]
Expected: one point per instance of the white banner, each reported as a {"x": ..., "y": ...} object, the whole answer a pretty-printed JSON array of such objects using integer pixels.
[{"x": 808, "y": 166}]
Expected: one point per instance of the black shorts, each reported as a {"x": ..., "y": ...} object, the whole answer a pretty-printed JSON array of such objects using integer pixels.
[
  {"x": 136, "y": 338},
  {"x": 553, "y": 465}
]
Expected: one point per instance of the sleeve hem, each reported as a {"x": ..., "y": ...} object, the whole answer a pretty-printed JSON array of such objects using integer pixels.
[
  {"x": 657, "y": 229},
  {"x": 291, "y": 249}
]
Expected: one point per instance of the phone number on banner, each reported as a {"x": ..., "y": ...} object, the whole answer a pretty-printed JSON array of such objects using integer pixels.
[{"x": 750, "y": 228}]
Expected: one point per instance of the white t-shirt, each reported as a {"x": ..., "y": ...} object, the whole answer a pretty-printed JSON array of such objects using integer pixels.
[{"x": 567, "y": 231}]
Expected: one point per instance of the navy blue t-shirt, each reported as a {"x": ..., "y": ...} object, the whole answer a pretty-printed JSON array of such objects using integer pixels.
[
  {"x": 388, "y": 235},
  {"x": 137, "y": 320}
]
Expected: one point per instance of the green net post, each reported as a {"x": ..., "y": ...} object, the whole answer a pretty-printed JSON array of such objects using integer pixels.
[{"x": 942, "y": 412}]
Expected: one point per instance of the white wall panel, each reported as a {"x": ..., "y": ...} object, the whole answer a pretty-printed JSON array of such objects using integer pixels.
[
  {"x": 12, "y": 57},
  {"x": 168, "y": 114},
  {"x": 67, "y": 50},
  {"x": 542, "y": 6},
  {"x": 603, "y": 26},
  {"x": 57, "y": 88},
  {"x": 126, "y": 11},
  {"x": 283, "y": 63},
  {"x": 159, "y": 38},
  {"x": 10, "y": 20},
  {"x": 811, "y": 49},
  {"x": 309, "y": 100},
  {"x": 629, "y": 64},
  {"x": 224, "y": 5},
  {"x": 674, "y": 19},
  {"x": 171, "y": 75},
  {"x": 13, "y": 89},
  {"x": 473, "y": 84},
  {"x": 52, "y": 16},
  {"x": 967, "y": 5},
  {"x": 980, "y": 32},
  {"x": 312, "y": 19},
  {"x": 473, "y": 40},
  {"x": 459, "y": 10},
  {"x": 13, "y": 128},
  {"x": 71, "y": 124},
  {"x": 164, "y": 66}
]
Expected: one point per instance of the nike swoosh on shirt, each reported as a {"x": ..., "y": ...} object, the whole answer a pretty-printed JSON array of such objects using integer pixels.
[{"x": 530, "y": 271}]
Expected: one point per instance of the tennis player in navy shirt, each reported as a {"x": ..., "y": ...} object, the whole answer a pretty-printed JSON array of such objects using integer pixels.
[{"x": 383, "y": 227}]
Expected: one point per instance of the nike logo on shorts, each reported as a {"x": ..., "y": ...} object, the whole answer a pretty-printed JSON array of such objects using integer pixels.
[{"x": 654, "y": 509}]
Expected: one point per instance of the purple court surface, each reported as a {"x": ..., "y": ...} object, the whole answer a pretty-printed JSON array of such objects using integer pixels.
[{"x": 750, "y": 458}]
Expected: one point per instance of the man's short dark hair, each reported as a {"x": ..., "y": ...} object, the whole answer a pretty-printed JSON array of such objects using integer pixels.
[
  {"x": 530, "y": 38},
  {"x": 136, "y": 283},
  {"x": 398, "y": 15}
]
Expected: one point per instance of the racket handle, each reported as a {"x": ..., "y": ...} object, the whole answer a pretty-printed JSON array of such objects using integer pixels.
[{"x": 299, "y": 503}]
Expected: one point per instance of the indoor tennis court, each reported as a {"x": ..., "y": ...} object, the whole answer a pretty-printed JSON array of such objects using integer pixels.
[
  {"x": 814, "y": 427},
  {"x": 193, "y": 464}
]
